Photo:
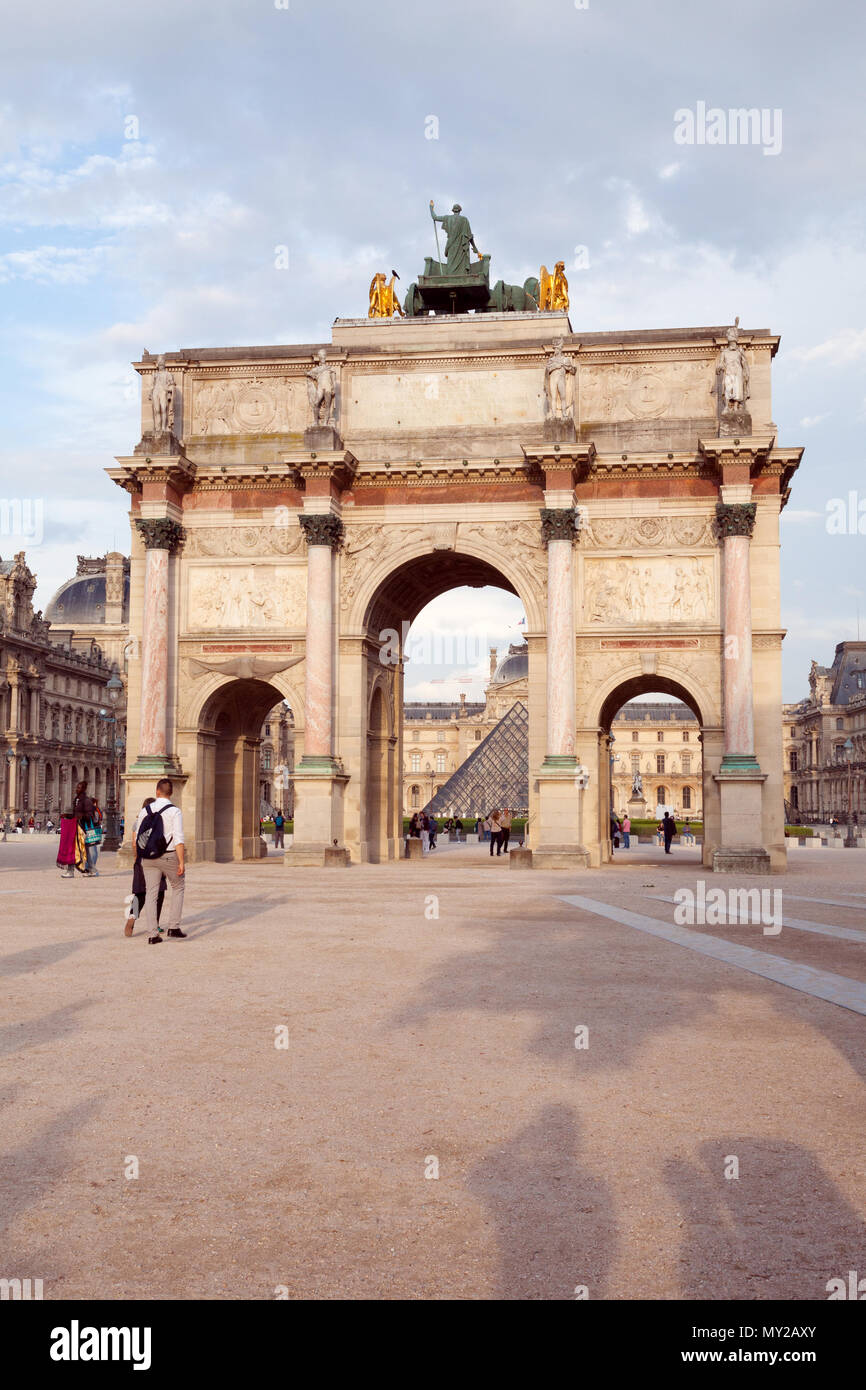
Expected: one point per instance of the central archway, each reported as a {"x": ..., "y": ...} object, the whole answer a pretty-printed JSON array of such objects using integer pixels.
[{"x": 372, "y": 663}]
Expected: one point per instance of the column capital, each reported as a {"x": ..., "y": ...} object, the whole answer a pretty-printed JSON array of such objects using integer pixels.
[
  {"x": 558, "y": 524},
  {"x": 322, "y": 529},
  {"x": 735, "y": 518},
  {"x": 160, "y": 533}
]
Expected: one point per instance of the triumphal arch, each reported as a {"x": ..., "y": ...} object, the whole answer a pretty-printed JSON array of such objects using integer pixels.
[{"x": 294, "y": 508}]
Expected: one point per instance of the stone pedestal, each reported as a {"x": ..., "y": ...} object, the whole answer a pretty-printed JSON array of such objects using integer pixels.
[
  {"x": 322, "y": 438},
  {"x": 741, "y": 798},
  {"x": 520, "y": 858},
  {"x": 636, "y": 808},
  {"x": 414, "y": 848},
  {"x": 337, "y": 857},
  {"x": 735, "y": 424},
  {"x": 560, "y": 431}
]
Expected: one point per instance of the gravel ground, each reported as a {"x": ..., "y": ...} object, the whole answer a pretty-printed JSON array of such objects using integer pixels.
[{"x": 430, "y": 1012}]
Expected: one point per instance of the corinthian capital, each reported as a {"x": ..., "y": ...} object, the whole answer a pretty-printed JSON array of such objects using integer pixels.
[
  {"x": 558, "y": 524},
  {"x": 325, "y": 529},
  {"x": 735, "y": 518},
  {"x": 160, "y": 533}
]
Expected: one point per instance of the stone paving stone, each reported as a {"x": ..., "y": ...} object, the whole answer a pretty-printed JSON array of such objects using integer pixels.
[{"x": 850, "y": 994}]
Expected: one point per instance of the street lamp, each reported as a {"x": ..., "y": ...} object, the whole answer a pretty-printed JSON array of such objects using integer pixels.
[
  {"x": 113, "y": 689},
  {"x": 850, "y": 841}
]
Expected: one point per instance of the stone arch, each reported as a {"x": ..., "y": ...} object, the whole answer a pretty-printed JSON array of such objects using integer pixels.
[
  {"x": 389, "y": 597},
  {"x": 474, "y": 562},
  {"x": 222, "y": 795},
  {"x": 626, "y": 684}
]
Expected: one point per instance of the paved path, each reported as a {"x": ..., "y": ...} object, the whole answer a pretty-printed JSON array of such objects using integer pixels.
[{"x": 432, "y": 1011}]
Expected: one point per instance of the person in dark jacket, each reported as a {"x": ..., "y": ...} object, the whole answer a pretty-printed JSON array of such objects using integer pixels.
[{"x": 669, "y": 829}]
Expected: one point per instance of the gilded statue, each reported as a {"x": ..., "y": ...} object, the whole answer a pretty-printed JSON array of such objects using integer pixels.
[
  {"x": 384, "y": 303},
  {"x": 553, "y": 288}
]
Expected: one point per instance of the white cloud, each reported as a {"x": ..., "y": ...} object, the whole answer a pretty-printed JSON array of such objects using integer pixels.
[
  {"x": 809, "y": 421},
  {"x": 58, "y": 265},
  {"x": 670, "y": 170},
  {"x": 847, "y": 346}
]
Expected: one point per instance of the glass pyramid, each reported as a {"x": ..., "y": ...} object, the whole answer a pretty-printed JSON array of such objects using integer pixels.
[{"x": 495, "y": 774}]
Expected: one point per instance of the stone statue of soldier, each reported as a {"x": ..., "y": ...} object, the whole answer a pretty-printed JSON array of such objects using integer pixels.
[
  {"x": 162, "y": 398},
  {"x": 322, "y": 390},
  {"x": 559, "y": 377},
  {"x": 732, "y": 374}
]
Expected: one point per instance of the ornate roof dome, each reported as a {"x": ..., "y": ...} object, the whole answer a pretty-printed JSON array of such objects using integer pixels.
[
  {"x": 514, "y": 666},
  {"x": 81, "y": 601}
]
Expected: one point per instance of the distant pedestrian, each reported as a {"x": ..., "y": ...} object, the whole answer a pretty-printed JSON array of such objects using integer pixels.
[
  {"x": 669, "y": 829},
  {"x": 279, "y": 827},
  {"x": 626, "y": 831},
  {"x": 424, "y": 827},
  {"x": 495, "y": 834},
  {"x": 433, "y": 830},
  {"x": 505, "y": 822},
  {"x": 160, "y": 843},
  {"x": 31, "y": 825},
  {"x": 83, "y": 808},
  {"x": 19, "y": 826},
  {"x": 614, "y": 831}
]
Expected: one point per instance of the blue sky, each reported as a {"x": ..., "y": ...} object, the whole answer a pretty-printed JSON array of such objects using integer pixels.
[{"x": 306, "y": 126}]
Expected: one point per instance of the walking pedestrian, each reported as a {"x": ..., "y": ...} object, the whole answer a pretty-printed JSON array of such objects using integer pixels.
[
  {"x": 424, "y": 828},
  {"x": 495, "y": 834},
  {"x": 614, "y": 831},
  {"x": 433, "y": 830},
  {"x": 83, "y": 808},
  {"x": 93, "y": 837},
  {"x": 162, "y": 848},
  {"x": 279, "y": 827},
  {"x": 669, "y": 828},
  {"x": 31, "y": 825},
  {"x": 626, "y": 831},
  {"x": 505, "y": 822},
  {"x": 136, "y": 900}
]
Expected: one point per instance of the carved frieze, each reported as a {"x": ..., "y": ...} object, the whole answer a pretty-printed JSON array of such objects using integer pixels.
[
  {"x": 228, "y": 405},
  {"x": 616, "y": 532},
  {"x": 655, "y": 589},
  {"x": 246, "y": 596},
  {"x": 252, "y": 541},
  {"x": 644, "y": 390}
]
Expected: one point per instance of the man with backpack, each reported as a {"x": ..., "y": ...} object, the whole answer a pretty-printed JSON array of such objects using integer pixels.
[{"x": 160, "y": 845}]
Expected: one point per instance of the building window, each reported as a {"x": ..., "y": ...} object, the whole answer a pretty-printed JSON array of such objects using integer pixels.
[
  {"x": 415, "y": 798},
  {"x": 440, "y": 762},
  {"x": 478, "y": 735},
  {"x": 795, "y": 798},
  {"x": 794, "y": 762},
  {"x": 266, "y": 759},
  {"x": 840, "y": 723},
  {"x": 687, "y": 798},
  {"x": 685, "y": 735},
  {"x": 416, "y": 762},
  {"x": 634, "y": 735},
  {"x": 662, "y": 796},
  {"x": 687, "y": 765},
  {"x": 635, "y": 763},
  {"x": 267, "y": 731},
  {"x": 415, "y": 735},
  {"x": 660, "y": 736},
  {"x": 660, "y": 762}
]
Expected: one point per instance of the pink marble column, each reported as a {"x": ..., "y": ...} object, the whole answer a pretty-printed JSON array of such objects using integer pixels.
[
  {"x": 322, "y": 533},
  {"x": 559, "y": 530},
  {"x": 161, "y": 537},
  {"x": 736, "y": 522}
]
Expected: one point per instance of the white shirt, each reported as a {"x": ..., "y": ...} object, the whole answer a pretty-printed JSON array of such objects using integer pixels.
[{"x": 172, "y": 821}]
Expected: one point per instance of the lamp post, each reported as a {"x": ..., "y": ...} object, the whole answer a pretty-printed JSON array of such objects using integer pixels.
[
  {"x": 850, "y": 840},
  {"x": 111, "y": 837}
]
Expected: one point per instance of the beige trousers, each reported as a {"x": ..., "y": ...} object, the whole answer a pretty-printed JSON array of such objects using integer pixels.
[{"x": 173, "y": 906}]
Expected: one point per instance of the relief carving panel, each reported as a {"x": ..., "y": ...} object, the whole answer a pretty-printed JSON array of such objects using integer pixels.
[
  {"x": 244, "y": 541},
  {"x": 236, "y": 405},
  {"x": 655, "y": 589},
  {"x": 645, "y": 390},
  {"x": 247, "y": 596}
]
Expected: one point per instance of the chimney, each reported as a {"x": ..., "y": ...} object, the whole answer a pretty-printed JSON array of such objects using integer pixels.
[
  {"x": 493, "y": 662},
  {"x": 114, "y": 588}
]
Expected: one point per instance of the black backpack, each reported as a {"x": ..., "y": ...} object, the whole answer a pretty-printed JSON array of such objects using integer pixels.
[{"x": 150, "y": 839}]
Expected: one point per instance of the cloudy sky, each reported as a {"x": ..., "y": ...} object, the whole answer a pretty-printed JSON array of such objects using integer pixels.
[{"x": 153, "y": 157}]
